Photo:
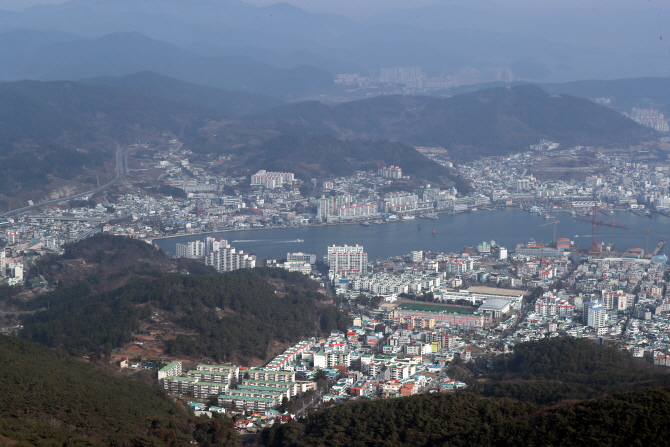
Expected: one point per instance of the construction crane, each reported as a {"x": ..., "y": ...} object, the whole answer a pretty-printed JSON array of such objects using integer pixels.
[
  {"x": 601, "y": 223},
  {"x": 554, "y": 224},
  {"x": 648, "y": 233},
  {"x": 612, "y": 242},
  {"x": 595, "y": 223}
]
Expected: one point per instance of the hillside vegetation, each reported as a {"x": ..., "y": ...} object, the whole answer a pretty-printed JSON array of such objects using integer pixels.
[
  {"x": 461, "y": 419},
  {"x": 544, "y": 405},
  {"x": 68, "y": 131},
  {"x": 105, "y": 262},
  {"x": 317, "y": 156},
  {"x": 65, "y": 134},
  {"x": 50, "y": 398},
  {"x": 488, "y": 122},
  {"x": 549, "y": 370},
  {"x": 227, "y": 316}
]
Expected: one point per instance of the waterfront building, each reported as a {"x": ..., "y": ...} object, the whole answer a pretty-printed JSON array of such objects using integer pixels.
[
  {"x": 215, "y": 244},
  {"x": 300, "y": 257},
  {"x": 190, "y": 250},
  {"x": 347, "y": 260},
  {"x": 429, "y": 193},
  {"x": 227, "y": 259},
  {"x": 398, "y": 202},
  {"x": 502, "y": 254}
]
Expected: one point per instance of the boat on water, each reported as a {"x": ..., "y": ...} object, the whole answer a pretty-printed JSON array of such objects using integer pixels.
[
  {"x": 365, "y": 224},
  {"x": 379, "y": 222},
  {"x": 431, "y": 216},
  {"x": 300, "y": 240},
  {"x": 409, "y": 217}
]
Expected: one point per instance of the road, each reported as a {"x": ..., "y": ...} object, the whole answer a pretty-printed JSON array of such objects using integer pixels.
[
  {"x": 309, "y": 403},
  {"x": 121, "y": 172}
]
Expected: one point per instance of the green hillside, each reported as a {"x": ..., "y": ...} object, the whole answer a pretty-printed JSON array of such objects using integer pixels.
[
  {"x": 634, "y": 418},
  {"x": 554, "y": 392},
  {"x": 551, "y": 370},
  {"x": 231, "y": 316},
  {"x": 48, "y": 398}
]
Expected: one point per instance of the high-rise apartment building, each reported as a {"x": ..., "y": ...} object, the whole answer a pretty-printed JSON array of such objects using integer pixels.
[
  {"x": 191, "y": 250},
  {"x": 271, "y": 180},
  {"x": 226, "y": 260},
  {"x": 596, "y": 315},
  {"x": 347, "y": 260}
]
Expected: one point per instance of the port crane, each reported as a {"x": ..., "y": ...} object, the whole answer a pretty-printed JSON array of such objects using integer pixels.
[
  {"x": 554, "y": 224},
  {"x": 648, "y": 233},
  {"x": 595, "y": 223}
]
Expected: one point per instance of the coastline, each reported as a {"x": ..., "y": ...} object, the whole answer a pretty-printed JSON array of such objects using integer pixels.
[{"x": 172, "y": 236}]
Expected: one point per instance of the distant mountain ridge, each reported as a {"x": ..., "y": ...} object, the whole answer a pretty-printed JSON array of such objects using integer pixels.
[
  {"x": 53, "y": 132},
  {"x": 440, "y": 38},
  {"x": 125, "y": 53},
  {"x": 493, "y": 121},
  {"x": 624, "y": 94},
  {"x": 230, "y": 102}
]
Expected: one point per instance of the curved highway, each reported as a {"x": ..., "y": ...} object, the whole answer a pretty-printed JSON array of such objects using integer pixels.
[{"x": 121, "y": 171}]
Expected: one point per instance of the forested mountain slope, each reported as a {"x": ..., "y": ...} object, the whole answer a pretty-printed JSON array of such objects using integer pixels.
[
  {"x": 463, "y": 419},
  {"x": 229, "y": 316},
  {"x": 50, "y": 398},
  {"x": 551, "y": 392},
  {"x": 55, "y": 132}
]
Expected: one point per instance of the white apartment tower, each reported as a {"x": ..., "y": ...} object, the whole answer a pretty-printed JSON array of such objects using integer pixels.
[
  {"x": 215, "y": 244},
  {"x": 301, "y": 257},
  {"x": 227, "y": 260},
  {"x": 271, "y": 180},
  {"x": 347, "y": 260},
  {"x": 390, "y": 172},
  {"x": 596, "y": 315},
  {"x": 191, "y": 250}
]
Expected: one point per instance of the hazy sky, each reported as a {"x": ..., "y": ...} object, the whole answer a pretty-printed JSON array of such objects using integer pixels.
[
  {"x": 365, "y": 8},
  {"x": 359, "y": 8}
]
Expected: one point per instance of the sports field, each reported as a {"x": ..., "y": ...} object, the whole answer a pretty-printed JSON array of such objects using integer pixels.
[{"x": 429, "y": 307}]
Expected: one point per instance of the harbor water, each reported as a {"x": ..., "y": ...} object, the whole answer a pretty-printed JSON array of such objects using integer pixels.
[{"x": 452, "y": 233}]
